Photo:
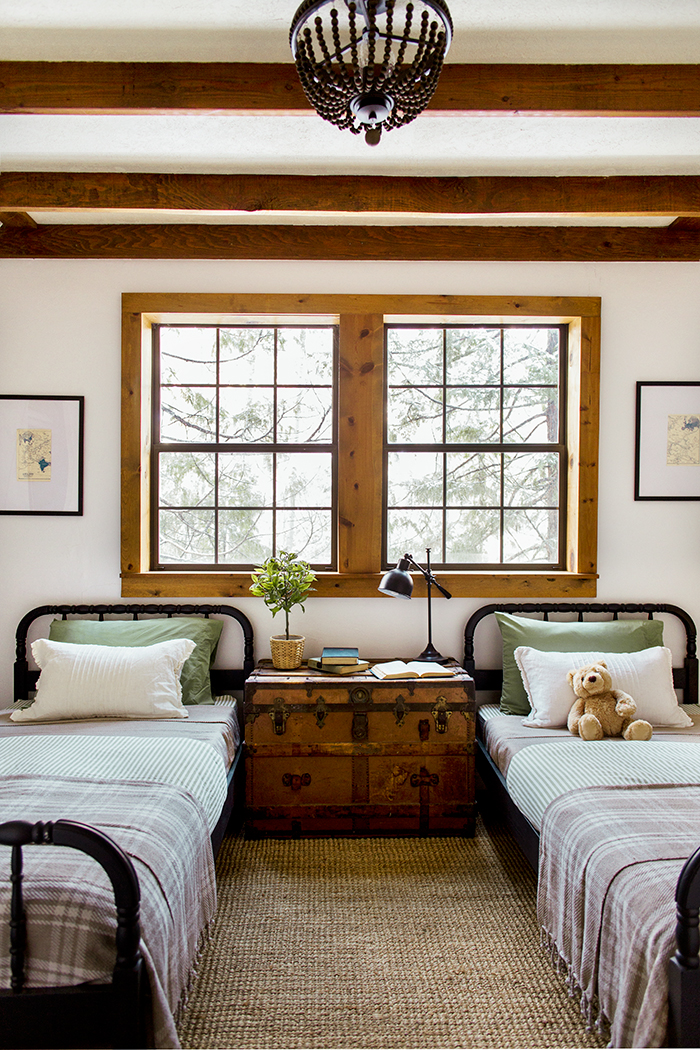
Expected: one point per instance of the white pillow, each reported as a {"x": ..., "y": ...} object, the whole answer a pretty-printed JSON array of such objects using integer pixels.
[
  {"x": 103, "y": 681},
  {"x": 646, "y": 675}
]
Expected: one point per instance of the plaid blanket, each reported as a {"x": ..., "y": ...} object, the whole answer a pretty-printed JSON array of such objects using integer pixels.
[
  {"x": 69, "y": 902},
  {"x": 609, "y": 862}
]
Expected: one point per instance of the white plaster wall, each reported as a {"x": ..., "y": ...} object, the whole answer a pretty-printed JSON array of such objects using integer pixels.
[{"x": 60, "y": 334}]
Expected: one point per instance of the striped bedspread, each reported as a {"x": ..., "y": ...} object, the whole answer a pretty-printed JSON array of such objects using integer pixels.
[
  {"x": 216, "y": 725},
  {"x": 68, "y": 898},
  {"x": 610, "y": 858},
  {"x": 539, "y": 774},
  {"x": 190, "y": 765}
]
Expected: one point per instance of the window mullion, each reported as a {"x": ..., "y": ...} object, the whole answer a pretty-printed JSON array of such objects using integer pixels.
[{"x": 360, "y": 442}]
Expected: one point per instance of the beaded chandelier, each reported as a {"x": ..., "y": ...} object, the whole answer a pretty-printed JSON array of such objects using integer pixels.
[{"x": 364, "y": 72}]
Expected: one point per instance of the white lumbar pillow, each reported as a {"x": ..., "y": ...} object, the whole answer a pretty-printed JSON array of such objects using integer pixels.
[
  {"x": 646, "y": 675},
  {"x": 99, "y": 681}
]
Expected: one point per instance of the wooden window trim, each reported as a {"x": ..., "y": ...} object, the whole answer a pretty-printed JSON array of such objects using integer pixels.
[{"x": 360, "y": 437}]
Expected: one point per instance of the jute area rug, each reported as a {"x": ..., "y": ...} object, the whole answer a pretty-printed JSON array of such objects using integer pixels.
[{"x": 378, "y": 943}]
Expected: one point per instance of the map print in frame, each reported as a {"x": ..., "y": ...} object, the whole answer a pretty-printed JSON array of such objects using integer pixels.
[
  {"x": 41, "y": 453},
  {"x": 34, "y": 455},
  {"x": 667, "y": 440},
  {"x": 683, "y": 441}
]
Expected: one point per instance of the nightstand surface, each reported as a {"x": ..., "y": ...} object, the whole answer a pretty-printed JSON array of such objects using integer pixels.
[{"x": 356, "y": 755}]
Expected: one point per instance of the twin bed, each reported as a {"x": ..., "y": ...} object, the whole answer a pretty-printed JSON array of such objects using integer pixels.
[
  {"x": 160, "y": 778},
  {"x": 612, "y": 826}
]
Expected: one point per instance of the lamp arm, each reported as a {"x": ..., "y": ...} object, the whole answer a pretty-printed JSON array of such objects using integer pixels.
[{"x": 428, "y": 576}]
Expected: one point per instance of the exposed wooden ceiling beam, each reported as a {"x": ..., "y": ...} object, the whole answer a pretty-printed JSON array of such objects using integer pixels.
[
  {"x": 673, "y": 195},
  {"x": 17, "y": 219},
  {"x": 608, "y": 244},
  {"x": 686, "y": 223},
  {"x": 218, "y": 87}
]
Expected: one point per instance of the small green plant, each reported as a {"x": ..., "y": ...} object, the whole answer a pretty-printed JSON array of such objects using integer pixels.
[{"x": 282, "y": 582}]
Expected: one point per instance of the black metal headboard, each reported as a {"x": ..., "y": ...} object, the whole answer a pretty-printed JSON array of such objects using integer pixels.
[
  {"x": 222, "y": 679},
  {"x": 684, "y": 678}
]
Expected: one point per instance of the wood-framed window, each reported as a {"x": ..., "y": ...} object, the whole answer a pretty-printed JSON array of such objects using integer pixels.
[
  {"x": 524, "y": 424},
  {"x": 244, "y": 444}
]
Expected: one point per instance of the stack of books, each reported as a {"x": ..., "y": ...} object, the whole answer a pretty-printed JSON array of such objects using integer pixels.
[{"x": 338, "y": 661}]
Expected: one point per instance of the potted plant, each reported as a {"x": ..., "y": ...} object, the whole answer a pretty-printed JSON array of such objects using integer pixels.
[{"x": 283, "y": 581}]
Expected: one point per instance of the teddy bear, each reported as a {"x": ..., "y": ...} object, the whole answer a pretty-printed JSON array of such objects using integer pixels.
[{"x": 600, "y": 710}]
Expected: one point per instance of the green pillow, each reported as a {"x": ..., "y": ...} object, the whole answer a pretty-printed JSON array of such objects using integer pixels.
[
  {"x": 194, "y": 679},
  {"x": 572, "y": 636}
]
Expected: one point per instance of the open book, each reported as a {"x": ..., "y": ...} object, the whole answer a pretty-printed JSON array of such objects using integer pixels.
[{"x": 412, "y": 669}]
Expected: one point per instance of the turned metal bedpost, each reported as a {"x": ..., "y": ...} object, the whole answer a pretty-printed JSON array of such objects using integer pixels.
[
  {"x": 18, "y": 922},
  {"x": 684, "y": 967}
]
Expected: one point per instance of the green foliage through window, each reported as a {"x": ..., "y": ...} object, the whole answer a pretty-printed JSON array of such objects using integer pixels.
[
  {"x": 244, "y": 444},
  {"x": 475, "y": 454}
]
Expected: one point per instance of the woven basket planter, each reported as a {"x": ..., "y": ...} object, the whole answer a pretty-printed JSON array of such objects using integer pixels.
[{"x": 287, "y": 652}]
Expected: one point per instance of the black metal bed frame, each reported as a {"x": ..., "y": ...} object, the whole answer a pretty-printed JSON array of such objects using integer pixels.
[
  {"x": 221, "y": 680},
  {"x": 684, "y": 967},
  {"x": 28, "y": 1015},
  {"x": 116, "y": 1012}
]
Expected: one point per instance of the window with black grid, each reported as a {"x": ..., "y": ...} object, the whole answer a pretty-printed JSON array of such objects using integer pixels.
[
  {"x": 475, "y": 444},
  {"x": 244, "y": 451}
]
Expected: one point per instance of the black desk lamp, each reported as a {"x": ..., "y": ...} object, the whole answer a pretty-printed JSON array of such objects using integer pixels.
[{"x": 398, "y": 583}]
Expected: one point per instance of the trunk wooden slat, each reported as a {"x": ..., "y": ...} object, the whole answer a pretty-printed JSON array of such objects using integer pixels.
[{"x": 355, "y": 755}]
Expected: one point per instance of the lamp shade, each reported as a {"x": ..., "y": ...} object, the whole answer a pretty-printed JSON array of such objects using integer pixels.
[{"x": 398, "y": 582}]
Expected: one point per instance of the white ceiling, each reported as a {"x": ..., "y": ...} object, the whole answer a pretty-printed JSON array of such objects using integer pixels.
[
  {"x": 556, "y": 31},
  {"x": 258, "y": 30}
]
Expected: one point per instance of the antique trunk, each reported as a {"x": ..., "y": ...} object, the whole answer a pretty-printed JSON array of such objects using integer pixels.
[{"x": 353, "y": 755}]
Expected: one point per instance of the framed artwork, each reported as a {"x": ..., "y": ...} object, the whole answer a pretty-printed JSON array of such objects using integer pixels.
[
  {"x": 41, "y": 454},
  {"x": 667, "y": 441}
]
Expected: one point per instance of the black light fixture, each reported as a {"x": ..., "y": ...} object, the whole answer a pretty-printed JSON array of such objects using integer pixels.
[
  {"x": 363, "y": 72},
  {"x": 398, "y": 583}
]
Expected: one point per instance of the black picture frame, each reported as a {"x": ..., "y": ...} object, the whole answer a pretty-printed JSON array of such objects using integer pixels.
[
  {"x": 667, "y": 441},
  {"x": 46, "y": 477}
]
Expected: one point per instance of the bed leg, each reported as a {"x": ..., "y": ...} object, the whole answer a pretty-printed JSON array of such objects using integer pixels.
[
  {"x": 683, "y": 1006},
  {"x": 684, "y": 967}
]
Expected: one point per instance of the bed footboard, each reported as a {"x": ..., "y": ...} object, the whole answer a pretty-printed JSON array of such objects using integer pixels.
[{"x": 85, "y": 1015}]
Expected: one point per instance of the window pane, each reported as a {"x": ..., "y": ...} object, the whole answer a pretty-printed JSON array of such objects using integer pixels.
[
  {"x": 473, "y": 536},
  {"x": 530, "y": 415},
  {"x": 305, "y": 415},
  {"x": 307, "y": 533},
  {"x": 304, "y": 479},
  {"x": 245, "y": 536},
  {"x": 414, "y": 356},
  {"x": 414, "y": 416},
  {"x": 474, "y": 479},
  {"x": 415, "y": 479},
  {"x": 188, "y": 414},
  {"x": 411, "y": 531},
  {"x": 245, "y": 479},
  {"x": 246, "y": 415},
  {"x": 473, "y": 416},
  {"x": 305, "y": 355},
  {"x": 531, "y": 355},
  {"x": 188, "y": 355},
  {"x": 531, "y": 479},
  {"x": 531, "y": 536},
  {"x": 187, "y": 536},
  {"x": 186, "y": 479},
  {"x": 247, "y": 356},
  {"x": 473, "y": 355},
  {"x": 501, "y": 389}
]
